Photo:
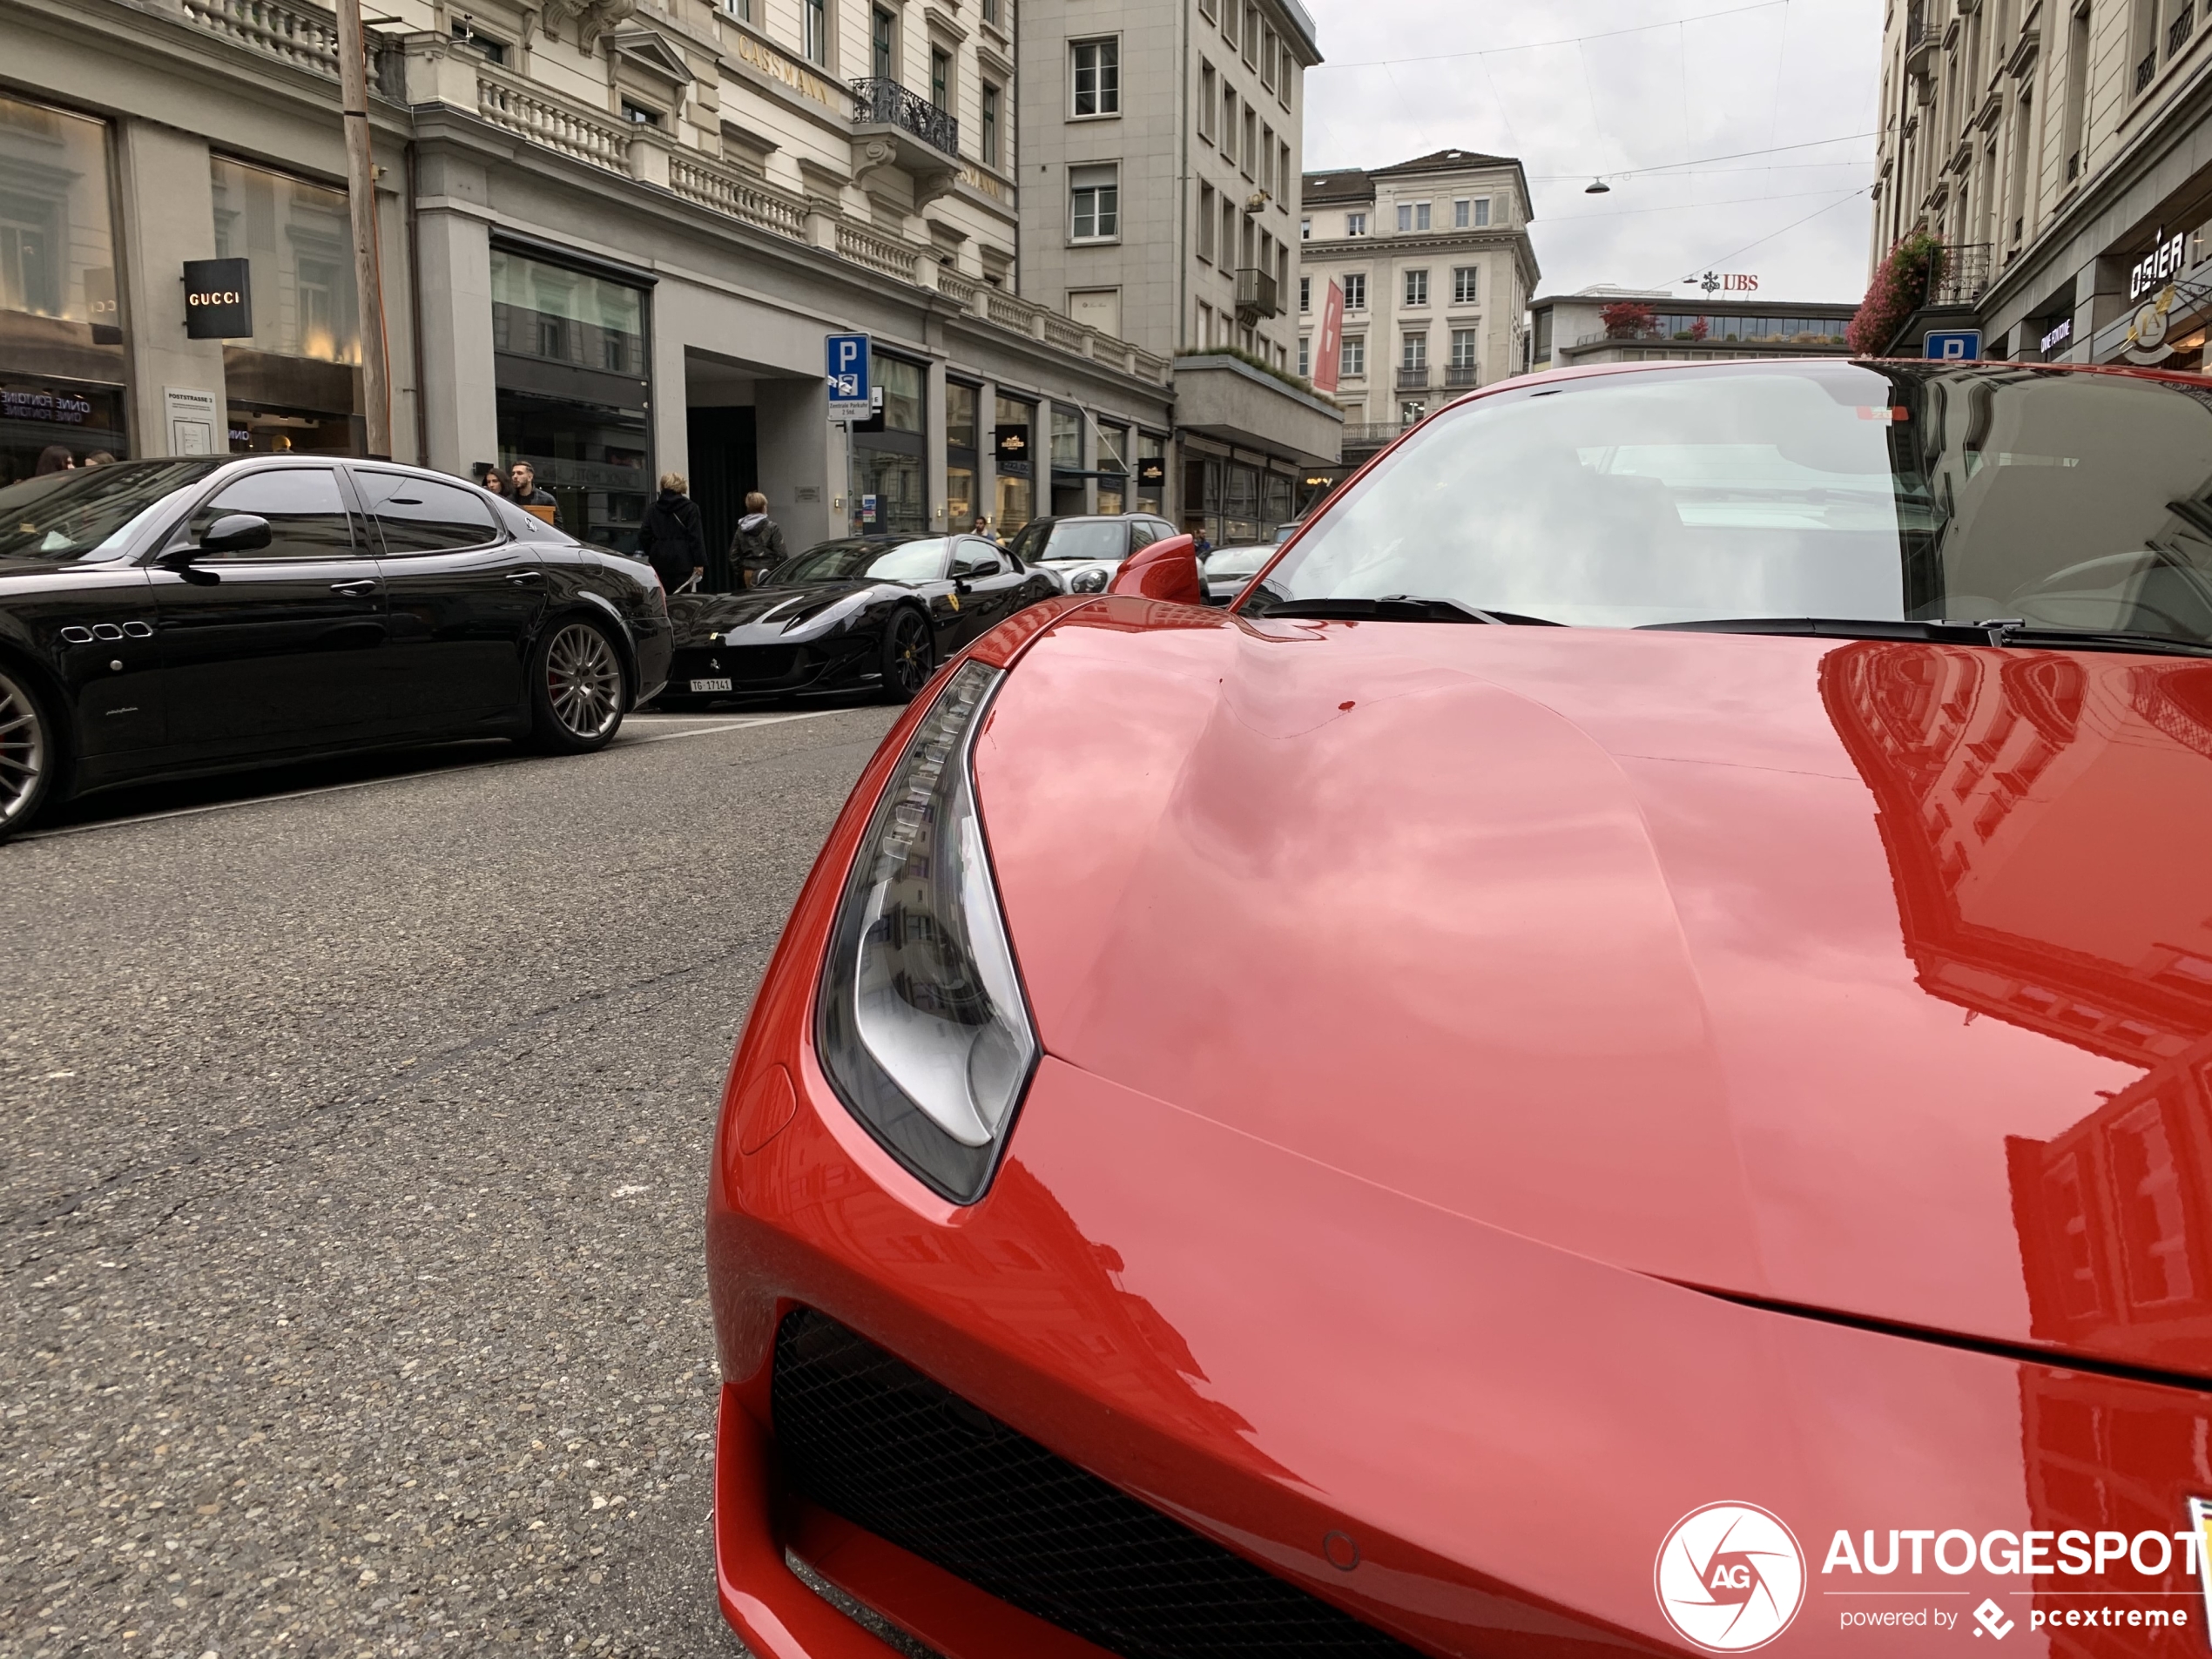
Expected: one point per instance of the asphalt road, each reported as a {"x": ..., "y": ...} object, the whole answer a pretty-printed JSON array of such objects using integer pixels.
[{"x": 357, "y": 1123}]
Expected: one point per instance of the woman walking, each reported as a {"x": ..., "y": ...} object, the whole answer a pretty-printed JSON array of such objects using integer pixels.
[{"x": 672, "y": 537}]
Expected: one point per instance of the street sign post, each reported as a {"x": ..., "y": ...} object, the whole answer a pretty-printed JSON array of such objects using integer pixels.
[
  {"x": 1957, "y": 346},
  {"x": 848, "y": 376}
]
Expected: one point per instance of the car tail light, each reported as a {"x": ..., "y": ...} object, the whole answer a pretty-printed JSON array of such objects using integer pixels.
[{"x": 922, "y": 1024}]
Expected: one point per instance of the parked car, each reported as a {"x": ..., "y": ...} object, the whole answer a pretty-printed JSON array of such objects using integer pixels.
[
  {"x": 871, "y": 613},
  {"x": 1081, "y": 552},
  {"x": 1228, "y": 570},
  {"x": 165, "y": 618},
  {"x": 1629, "y": 1027}
]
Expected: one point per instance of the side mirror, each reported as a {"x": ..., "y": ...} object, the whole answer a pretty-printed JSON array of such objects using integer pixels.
[
  {"x": 1166, "y": 570},
  {"x": 963, "y": 568},
  {"x": 233, "y": 533}
]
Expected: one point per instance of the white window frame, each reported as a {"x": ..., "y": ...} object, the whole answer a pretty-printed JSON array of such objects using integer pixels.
[
  {"x": 1355, "y": 291},
  {"x": 1413, "y": 348},
  {"x": 1352, "y": 357},
  {"x": 1415, "y": 287},
  {"x": 1472, "y": 338},
  {"x": 1103, "y": 216},
  {"x": 1105, "y": 69},
  {"x": 1462, "y": 212},
  {"x": 1305, "y": 296},
  {"x": 1466, "y": 285},
  {"x": 817, "y": 29},
  {"x": 1355, "y": 224}
]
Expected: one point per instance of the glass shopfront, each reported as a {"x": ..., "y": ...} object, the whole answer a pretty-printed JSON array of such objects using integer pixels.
[
  {"x": 1222, "y": 498},
  {"x": 959, "y": 456},
  {"x": 1067, "y": 460},
  {"x": 1013, "y": 440},
  {"x": 296, "y": 385},
  {"x": 573, "y": 378},
  {"x": 61, "y": 381},
  {"x": 889, "y": 491},
  {"x": 1113, "y": 468}
]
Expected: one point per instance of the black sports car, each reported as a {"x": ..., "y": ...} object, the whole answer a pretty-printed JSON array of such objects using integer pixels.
[
  {"x": 165, "y": 618},
  {"x": 871, "y": 613}
]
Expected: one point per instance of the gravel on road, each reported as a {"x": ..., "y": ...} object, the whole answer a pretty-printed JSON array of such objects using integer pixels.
[{"x": 350, "y": 1227}]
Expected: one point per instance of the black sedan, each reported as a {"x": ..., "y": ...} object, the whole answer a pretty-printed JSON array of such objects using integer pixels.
[
  {"x": 875, "y": 613},
  {"x": 166, "y": 618}
]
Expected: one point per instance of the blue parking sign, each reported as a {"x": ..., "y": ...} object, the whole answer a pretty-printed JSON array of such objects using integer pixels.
[
  {"x": 1957, "y": 346},
  {"x": 848, "y": 376}
]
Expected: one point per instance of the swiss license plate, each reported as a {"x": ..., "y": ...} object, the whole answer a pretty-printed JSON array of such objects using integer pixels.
[{"x": 710, "y": 685}]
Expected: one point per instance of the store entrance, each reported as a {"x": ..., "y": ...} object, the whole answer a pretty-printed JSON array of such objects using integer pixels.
[{"x": 726, "y": 468}]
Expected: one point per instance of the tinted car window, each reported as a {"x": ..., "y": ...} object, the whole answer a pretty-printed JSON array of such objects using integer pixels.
[
  {"x": 922, "y": 561},
  {"x": 981, "y": 557},
  {"x": 66, "y": 515},
  {"x": 423, "y": 516},
  {"x": 1141, "y": 534},
  {"x": 1902, "y": 493},
  {"x": 308, "y": 518}
]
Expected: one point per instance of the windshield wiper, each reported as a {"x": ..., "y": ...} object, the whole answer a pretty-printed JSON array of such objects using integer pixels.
[
  {"x": 2015, "y": 633},
  {"x": 1401, "y": 607}
]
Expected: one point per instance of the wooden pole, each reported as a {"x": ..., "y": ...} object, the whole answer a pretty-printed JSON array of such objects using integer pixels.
[{"x": 361, "y": 192}]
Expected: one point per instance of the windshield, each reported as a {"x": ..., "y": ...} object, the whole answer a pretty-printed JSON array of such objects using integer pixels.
[
  {"x": 922, "y": 561},
  {"x": 1105, "y": 540},
  {"x": 67, "y": 515},
  {"x": 1840, "y": 491},
  {"x": 1239, "y": 561}
]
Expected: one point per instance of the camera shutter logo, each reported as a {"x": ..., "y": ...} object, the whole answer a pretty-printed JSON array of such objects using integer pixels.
[{"x": 1730, "y": 1577}]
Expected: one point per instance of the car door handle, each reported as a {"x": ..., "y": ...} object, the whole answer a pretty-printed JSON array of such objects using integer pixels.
[
  {"x": 356, "y": 588},
  {"x": 526, "y": 578}
]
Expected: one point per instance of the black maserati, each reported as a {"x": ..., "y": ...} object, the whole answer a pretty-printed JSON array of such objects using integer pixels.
[
  {"x": 167, "y": 618},
  {"x": 874, "y": 613}
]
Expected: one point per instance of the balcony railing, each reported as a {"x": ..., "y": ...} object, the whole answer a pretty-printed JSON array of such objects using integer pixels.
[
  {"x": 1413, "y": 378},
  {"x": 885, "y": 103},
  {"x": 1256, "y": 294},
  {"x": 1358, "y": 433},
  {"x": 1965, "y": 275},
  {"x": 1462, "y": 374},
  {"x": 2146, "y": 69},
  {"x": 2178, "y": 30}
]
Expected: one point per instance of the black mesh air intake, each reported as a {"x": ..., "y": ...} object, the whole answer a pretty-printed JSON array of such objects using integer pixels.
[{"x": 869, "y": 1437}]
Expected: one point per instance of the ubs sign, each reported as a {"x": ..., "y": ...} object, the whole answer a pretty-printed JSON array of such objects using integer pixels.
[
  {"x": 2162, "y": 264},
  {"x": 218, "y": 299}
]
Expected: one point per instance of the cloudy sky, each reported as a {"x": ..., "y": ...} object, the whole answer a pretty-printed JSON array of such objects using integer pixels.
[{"x": 1630, "y": 90}]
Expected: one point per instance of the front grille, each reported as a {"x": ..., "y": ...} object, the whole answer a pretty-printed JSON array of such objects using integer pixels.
[
  {"x": 865, "y": 1435},
  {"x": 745, "y": 664}
]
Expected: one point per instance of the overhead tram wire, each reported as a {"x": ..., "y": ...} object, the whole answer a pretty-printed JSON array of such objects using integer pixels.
[
  {"x": 1784, "y": 230},
  {"x": 1737, "y": 155}
]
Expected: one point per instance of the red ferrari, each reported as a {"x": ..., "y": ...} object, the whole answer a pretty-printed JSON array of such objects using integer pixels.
[{"x": 1616, "y": 1059}]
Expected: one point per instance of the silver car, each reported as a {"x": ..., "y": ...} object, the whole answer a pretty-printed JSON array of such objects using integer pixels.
[{"x": 1082, "y": 553}]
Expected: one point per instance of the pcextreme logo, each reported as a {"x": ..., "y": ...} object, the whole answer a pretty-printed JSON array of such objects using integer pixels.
[{"x": 1730, "y": 1577}]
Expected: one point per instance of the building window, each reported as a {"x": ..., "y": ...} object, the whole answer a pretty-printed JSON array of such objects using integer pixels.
[
  {"x": 1352, "y": 360},
  {"x": 992, "y": 14},
  {"x": 1416, "y": 288},
  {"x": 1462, "y": 216},
  {"x": 1482, "y": 210},
  {"x": 883, "y": 57},
  {"x": 1252, "y": 36},
  {"x": 1355, "y": 292},
  {"x": 1305, "y": 230},
  {"x": 1305, "y": 356},
  {"x": 1463, "y": 284},
  {"x": 1355, "y": 224},
  {"x": 1248, "y": 160},
  {"x": 1267, "y": 159},
  {"x": 1206, "y": 95},
  {"x": 1206, "y": 10},
  {"x": 1228, "y": 123},
  {"x": 464, "y": 34},
  {"x": 816, "y": 41},
  {"x": 1414, "y": 352},
  {"x": 1098, "y": 76},
  {"x": 1282, "y": 166},
  {"x": 1267, "y": 58},
  {"x": 1412, "y": 216},
  {"x": 638, "y": 116},
  {"x": 1205, "y": 223},
  {"x": 1465, "y": 344},
  {"x": 990, "y": 125},
  {"x": 1231, "y": 16},
  {"x": 940, "y": 78},
  {"x": 1306, "y": 293},
  {"x": 1094, "y": 207}
]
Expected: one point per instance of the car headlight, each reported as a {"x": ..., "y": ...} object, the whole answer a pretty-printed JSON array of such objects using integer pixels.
[
  {"x": 922, "y": 1025},
  {"x": 1086, "y": 581}
]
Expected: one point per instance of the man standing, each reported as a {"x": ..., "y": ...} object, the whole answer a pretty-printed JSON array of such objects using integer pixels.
[
  {"x": 522, "y": 477},
  {"x": 982, "y": 528},
  {"x": 758, "y": 547},
  {"x": 673, "y": 539}
]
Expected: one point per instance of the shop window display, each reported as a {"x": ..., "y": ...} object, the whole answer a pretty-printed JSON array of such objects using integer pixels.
[{"x": 62, "y": 375}]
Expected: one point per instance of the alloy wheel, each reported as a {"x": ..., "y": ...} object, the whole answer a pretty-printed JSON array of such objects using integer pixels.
[
  {"x": 909, "y": 653},
  {"x": 584, "y": 681},
  {"x": 23, "y": 752}
]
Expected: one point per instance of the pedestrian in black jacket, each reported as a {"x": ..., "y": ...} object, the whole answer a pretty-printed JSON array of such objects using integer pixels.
[
  {"x": 522, "y": 484},
  {"x": 672, "y": 537},
  {"x": 758, "y": 547}
]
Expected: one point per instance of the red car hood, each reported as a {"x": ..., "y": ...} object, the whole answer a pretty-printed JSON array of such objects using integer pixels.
[{"x": 1870, "y": 978}]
